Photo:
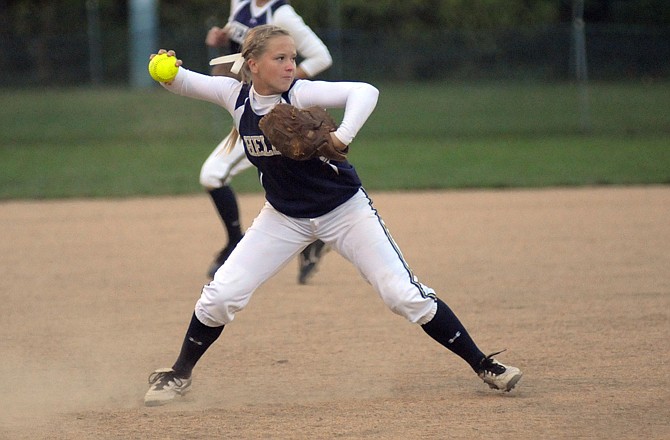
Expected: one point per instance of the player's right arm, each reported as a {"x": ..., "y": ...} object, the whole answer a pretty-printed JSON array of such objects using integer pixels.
[{"x": 219, "y": 90}]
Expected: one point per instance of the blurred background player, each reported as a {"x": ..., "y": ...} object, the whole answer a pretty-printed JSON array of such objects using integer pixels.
[{"x": 226, "y": 161}]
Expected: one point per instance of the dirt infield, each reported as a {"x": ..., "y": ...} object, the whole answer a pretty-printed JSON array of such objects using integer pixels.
[{"x": 575, "y": 283}]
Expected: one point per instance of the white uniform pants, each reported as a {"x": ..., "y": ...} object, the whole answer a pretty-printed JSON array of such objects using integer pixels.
[
  {"x": 221, "y": 165},
  {"x": 353, "y": 229}
]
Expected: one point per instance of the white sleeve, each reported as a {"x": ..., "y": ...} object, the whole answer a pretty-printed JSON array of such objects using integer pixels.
[
  {"x": 315, "y": 54},
  {"x": 233, "y": 6},
  {"x": 357, "y": 98},
  {"x": 220, "y": 90}
]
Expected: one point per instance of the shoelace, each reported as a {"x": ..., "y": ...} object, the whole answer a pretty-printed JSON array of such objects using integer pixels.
[
  {"x": 164, "y": 377},
  {"x": 491, "y": 366}
]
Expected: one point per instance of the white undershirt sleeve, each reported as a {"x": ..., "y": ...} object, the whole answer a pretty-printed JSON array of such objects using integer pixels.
[
  {"x": 220, "y": 90},
  {"x": 358, "y": 100},
  {"x": 315, "y": 54}
]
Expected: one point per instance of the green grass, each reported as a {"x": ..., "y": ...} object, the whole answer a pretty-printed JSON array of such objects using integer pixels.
[
  {"x": 516, "y": 162},
  {"x": 119, "y": 142}
]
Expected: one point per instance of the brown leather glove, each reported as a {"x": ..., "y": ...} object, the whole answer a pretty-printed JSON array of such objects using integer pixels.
[{"x": 301, "y": 134}]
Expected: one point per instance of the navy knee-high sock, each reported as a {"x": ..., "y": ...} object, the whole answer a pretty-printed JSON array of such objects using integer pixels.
[
  {"x": 447, "y": 329},
  {"x": 226, "y": 204},
  {"x": 196, "y": 342}
]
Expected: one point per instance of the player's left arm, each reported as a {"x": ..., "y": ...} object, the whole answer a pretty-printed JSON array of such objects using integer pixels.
[
  {"x": 315, "y": 54},
  {"x": 357, "y": 98}
]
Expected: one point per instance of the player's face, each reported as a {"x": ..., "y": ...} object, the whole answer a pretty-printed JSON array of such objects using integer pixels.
[{"x": 273, "y": 72}]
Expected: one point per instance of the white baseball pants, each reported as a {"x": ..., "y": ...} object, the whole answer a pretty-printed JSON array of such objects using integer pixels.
[
  {"x": 221, "y": 165},
  {"x": 353, "y": 229}
]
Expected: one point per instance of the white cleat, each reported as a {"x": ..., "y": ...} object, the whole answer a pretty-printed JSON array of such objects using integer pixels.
[
  {"x": 165, "y": 386},
  {"x": 499, "y": 376}
]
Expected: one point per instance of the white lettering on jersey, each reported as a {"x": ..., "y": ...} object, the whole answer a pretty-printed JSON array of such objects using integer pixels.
[{"x": 257, "y": 147}]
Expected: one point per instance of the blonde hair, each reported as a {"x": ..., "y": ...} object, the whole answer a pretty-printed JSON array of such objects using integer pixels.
[{"x": 255, "y": 44}]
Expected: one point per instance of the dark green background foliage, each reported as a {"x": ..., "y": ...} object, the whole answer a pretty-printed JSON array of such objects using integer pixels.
[
  {"x": 31, "y": 17},
  {"x": 50, "y": 43}
]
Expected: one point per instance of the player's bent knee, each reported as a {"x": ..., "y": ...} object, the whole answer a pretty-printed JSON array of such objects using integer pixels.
[
  {"x": 415, "y": 301},
  {"x": 228, "y": 293},
  {"x": 215, "y": 308},
  {"x": 212, "y": 177},
  {"x": 417, "y": 310},
  {"x": 210, "y": 181}
]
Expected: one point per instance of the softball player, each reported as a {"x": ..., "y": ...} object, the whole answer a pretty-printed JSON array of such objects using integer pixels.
[
  {"x": 305, "y": 200},
  {"x": 222, "y": 165}
]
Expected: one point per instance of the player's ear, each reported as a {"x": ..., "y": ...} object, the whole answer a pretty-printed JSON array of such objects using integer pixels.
[{"x": 253, "y": 66}]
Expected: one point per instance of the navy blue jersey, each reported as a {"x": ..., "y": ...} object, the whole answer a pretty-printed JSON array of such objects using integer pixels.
[
  {"x": 243, "y": 20},
  {"x": 301, "y": 189}
]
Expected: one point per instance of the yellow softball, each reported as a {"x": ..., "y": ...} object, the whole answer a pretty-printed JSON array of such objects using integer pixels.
[{"x": 162, "y": 68}]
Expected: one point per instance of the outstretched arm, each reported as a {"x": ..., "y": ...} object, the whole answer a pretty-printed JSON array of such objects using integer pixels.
[{"x": 218, "y": 90}]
